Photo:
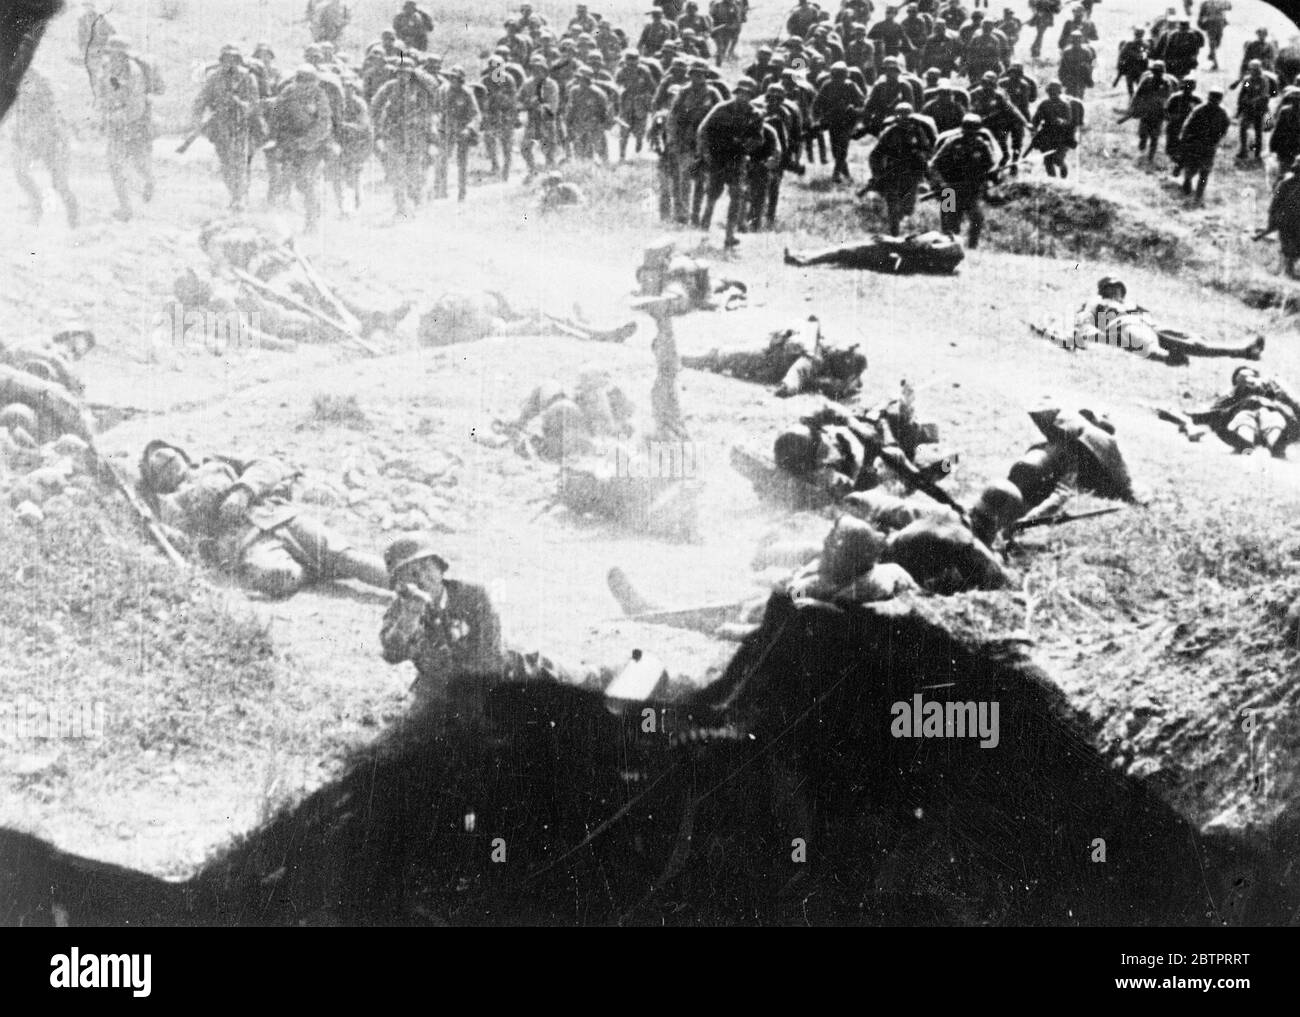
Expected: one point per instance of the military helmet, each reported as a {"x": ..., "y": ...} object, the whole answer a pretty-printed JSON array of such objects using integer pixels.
[
  {"x": 747, "y": 84},
  {"x": 313, "y": 50},
  {"x": 306, "y": 72},
  {"x": 230, "y": 49},
  {"x": 777, "y": 91},
  {"x": 1245, "y": 367},
  {"x": 795, "y": 450},
  {"x": 1108, "y": 282},
  {"x": 1214, "y": 93},
  {"x": 457, "y": 71},
  {"x": 1054, "y": 85},
  {"x": 156, "y": 458},
  {"x": 989, "y": 77},
  {"x": 583, "y": 71},
  {"x": 264, "y": 49},
  {"x": 998, "y": 506},
  {"x": 972, "y": 120},
  {"x": 839, "y": 67},
  {"x": 904, "y": 109},
  {"x": 409, "y": 549},
  {"x": 1156, "y": 65},
  {"x": 852, "y": 547}
]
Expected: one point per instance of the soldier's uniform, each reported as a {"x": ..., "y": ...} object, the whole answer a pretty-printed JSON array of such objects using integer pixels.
[
  {"x": 636, "y": 98},
  {"x": 838, "y": 108},
  {"x": 240, "y": 517},
  {"x": 1257, "y": 89},
  {"x": 500, "y": 115},
  {"x": 40, "y": 135},
  {"x": 301, "y": 122},
  {"x": 1177, "y": 110},
  {"x": 1055, "y": 125},
  {"x": 1285, "y": 140},
  {"x": 1148, "y": 106},
  {"x": 461, "y": 120},
  {"x": 540, "y": 99},
  {"x": 403, "y": 113},
  {"x": 963, "y": 162},
  {"x": 1132, "y": 61},
  {"x": 412, "y": 25},
  {"x": 122, "y": 95},
  {"x": 898, "y": 163},
  {"x": 231, "y": 95},
  {"x": 1075, "y": 71},
  {"x": 1199, "y": 140},
  {"x": 588, "y": 118},
  {"x": 1284, "y": 213},
  {"x": 692, "y": 105},
  {"x": 793, "y": 361},
  {"x": 729, "y": 135},
  {"x": 453, "y": 638}
]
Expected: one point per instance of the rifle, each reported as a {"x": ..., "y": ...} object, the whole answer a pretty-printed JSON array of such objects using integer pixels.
[
  {"x": 1062, "y": 517},
  {"x": 194, "y": 135},
  {"x": 1264, "y": 233},
  {"x": 299, "y": 305},
  {"x": 142, "y": 512}
]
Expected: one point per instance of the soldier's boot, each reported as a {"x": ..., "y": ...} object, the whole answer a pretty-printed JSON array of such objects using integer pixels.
[
  {"x": 530, "y": 159},
  {"x": 623, "y": 136},
  {"x": 1274, "y": 443},
  {"x": 505, "y": 161}
]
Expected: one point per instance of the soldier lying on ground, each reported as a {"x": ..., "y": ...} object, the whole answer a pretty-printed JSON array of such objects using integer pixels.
[
  {"x": 233, "y": 248},
  {"x": 1110, "y": 320},
  {"x": 926, "y": 252},
  {"x": 53, "y": 360},
  {"x": 556, "y": 425},
  {"x": 1258, "y": 413},
  {"x": 558, "y": 193},
  {"x": 684, "y": 281},
  {"x": 43, "y": 410},
  {"x": 239, "y": 516},
  {"x": 838, "y": 452},
  {"x": 794, "y": 361},
  {"x": 1079, "y": 455},
  {"x": 468, "y": 315}
]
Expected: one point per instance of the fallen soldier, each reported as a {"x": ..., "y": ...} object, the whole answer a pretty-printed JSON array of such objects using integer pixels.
[
  {"x": 1258, "y": 413},
  {"x": 239, "y": 516},
  {"x": 934, "y": 253},
  {"x": 795, "y": 361},
  {"x": 838, "y": 452},
  {"x": 556, "y": 425},
  {"x": 1080, "y": 454},
  {"x": 35, "y": 410},
  {"x": 1110, "y": 320},
  {"x": 53, "y": 360},
  {"x": 467, "y": 316},
  {"x": 678, "y": 284},
  {"x": 278, "y": 282}
]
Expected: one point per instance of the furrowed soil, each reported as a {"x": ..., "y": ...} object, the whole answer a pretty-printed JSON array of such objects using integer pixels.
[{"x": 1160, "y": 623}]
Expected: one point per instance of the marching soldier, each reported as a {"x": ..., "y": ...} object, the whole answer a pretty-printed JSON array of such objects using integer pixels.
[
  {"x": 1199, "y": 140},
  {"x": 692, "y": 105},
  {"x": 302, "y": 125},
  {"x": 412, "y": 25},
  {"x": 460, "y": 124},
  {"x": 40, "y": 135},
  {"x": 1055, "y": 125},
  {"x": 1284, "y": 216},
  {"x": 898, "y": 163},
  {"x": 229, "y": 98},
  {"x": 1148, "y": 107},
  {"x": 540, "y": 99},
  {"x": 1177, "y": 110},
  {"x": 122, "y": 96},
  {"x": 1257, "y": 89},
  {"x": 730, "y": 133},
  {"x": 1132, "y": 61},
  {"x": 962, "y": 164},
  {"x": 403, "y": 113},
  {"x": 636, "y": 97},
  {"x": 838, "y": 108},
  {"x": 588, "y": 118},
  {"x": 500, "y": 115}
]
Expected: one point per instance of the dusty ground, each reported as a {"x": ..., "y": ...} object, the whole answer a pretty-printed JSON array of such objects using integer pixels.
[{"x": 418, "y": 461}]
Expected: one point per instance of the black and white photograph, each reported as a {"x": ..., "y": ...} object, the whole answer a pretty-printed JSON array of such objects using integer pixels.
[{"x": 629, "y": 464}]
